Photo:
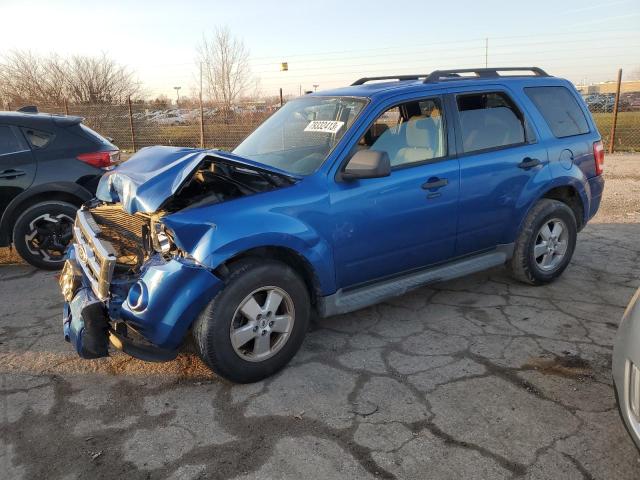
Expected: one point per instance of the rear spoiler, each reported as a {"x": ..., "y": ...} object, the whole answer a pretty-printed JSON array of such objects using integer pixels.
[
  {"x": 66, "y": 120},
  {"x": 60, "y": 120},
  {"x": 28, "y": 109}
]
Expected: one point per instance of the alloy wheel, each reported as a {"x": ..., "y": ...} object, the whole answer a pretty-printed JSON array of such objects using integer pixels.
[
  {"x": 262, "y": 324},
  {"x": 551, "y": 244},
  {"x": 49, "y": 236}
]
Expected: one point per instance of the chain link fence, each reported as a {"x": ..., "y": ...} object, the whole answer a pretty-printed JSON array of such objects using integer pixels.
[
  {"x": 132, "y": 127},
  {"x": 144, "y": 124}
]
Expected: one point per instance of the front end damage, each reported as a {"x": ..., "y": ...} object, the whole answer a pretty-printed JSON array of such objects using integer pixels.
[
  {"x": 126, "y": 283},
  {"x": 142, "y": 307}
]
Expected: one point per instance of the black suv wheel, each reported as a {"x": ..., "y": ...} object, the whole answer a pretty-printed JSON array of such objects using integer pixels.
[
  {"x": 546, "y": 243},
  {"x": 256, "y": 324},
  {"x": 43, "y": 232}
]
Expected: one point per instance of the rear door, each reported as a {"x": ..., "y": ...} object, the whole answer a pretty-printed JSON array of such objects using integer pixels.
[
  {"x": 500, "y": 161},
  {"x": 17, "y": 165}
]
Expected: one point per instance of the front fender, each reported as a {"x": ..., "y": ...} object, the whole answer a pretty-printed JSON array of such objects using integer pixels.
[{"x": 213, "y": 244}]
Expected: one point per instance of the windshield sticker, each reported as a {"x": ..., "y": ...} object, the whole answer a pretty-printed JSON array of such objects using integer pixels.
[{"x": 324, "y": 126}]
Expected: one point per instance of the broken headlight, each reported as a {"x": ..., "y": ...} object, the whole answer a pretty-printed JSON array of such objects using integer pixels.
[{"x": 162, "y": 238}]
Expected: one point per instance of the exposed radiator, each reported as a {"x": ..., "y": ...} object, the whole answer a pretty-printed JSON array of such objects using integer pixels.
[{"x": 124, "y": 231}]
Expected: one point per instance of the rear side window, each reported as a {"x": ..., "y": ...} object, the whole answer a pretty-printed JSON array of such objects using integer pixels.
[
  {"x": 559, "y": 109},
  {"x": 489, "y": 121},
  {"x": 9, "y": 143},
  {"x": 38, "y": 138}
]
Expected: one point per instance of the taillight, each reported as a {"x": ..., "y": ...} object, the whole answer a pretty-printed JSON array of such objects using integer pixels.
[
  {"x": 598, "y": 156},
  {"x": 100, "y": 159}
]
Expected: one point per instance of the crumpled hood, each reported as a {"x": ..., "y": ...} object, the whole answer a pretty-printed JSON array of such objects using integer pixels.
[{"x": 151, "y": 176}]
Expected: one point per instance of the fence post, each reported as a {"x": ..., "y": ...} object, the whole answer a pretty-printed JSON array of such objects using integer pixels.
[
  {"x": 8, "y": 106},
  {"x": 281, "y": 97},
  {"x": 133, "y": 133},
  {"x": 201, "y": 112},
  {"x": 66, "y": 107},
  {"x": 612, "y": 138}
]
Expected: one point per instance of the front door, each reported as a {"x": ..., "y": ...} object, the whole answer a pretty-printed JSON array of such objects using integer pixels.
[{"x": 386, "y": 226}]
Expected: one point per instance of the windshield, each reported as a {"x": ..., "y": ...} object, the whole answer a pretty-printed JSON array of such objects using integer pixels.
[{"x": 299, "y": 137}]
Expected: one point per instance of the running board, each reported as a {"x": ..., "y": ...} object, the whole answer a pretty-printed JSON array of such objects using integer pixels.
[{"x": 354, "y": 299}]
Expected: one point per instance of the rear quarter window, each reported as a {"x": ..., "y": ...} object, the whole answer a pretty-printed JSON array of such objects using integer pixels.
[
  {"x": 93, "y": 135},
  {"x": 37, "y": 138},
  {"x": 560, "y": 110}
]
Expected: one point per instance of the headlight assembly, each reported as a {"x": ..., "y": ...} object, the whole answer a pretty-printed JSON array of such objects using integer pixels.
[{"x": 162, "y": 238}]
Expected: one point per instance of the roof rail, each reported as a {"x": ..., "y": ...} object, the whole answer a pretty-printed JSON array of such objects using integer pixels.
[
  {"x": 364, "y": 80},
  {"x": 438, "y": 75}
]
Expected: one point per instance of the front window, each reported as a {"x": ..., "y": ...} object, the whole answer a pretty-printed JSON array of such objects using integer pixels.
[{"x": 299, "y": 137}]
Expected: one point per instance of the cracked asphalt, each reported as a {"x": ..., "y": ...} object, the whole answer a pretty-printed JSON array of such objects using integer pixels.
[{"x": 481, "y": 377}]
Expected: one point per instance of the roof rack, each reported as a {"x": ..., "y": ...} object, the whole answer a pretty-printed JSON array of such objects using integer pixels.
[
  {"x": 364, "y": 80},
  {"x": 438, "y": 75}
]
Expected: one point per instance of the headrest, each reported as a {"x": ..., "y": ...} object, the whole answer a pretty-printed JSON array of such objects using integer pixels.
[
  {"x": 376, "y": 130},
  {"x": 421, "y": 131}
]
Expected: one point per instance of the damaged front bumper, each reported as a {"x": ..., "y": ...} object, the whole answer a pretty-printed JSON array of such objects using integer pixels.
[{"x": 146, "y": 317}]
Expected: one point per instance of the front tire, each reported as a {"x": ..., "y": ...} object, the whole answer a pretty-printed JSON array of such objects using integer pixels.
[
  {"x": 546, "y": 243},
  {"x": 43, "y": 233},
  {"x": 256, "y": 324}
]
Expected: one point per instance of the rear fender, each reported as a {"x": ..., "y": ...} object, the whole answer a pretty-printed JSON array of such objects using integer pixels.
[{"x": 525, "y": 204}]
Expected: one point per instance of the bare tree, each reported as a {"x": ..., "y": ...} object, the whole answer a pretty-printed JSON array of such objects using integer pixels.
[
  {"x": 99, "y": 80},
  {"x": 225, "y": 66},
  {"x": 28, "y": 77},
  {"x": 25, "y": 76}
]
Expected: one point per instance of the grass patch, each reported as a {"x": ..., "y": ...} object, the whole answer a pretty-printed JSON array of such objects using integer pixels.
[{"x": 627, "y": 130}]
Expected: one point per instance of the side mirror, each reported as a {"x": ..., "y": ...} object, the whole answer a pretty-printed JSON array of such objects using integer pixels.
[{"x": 367, "y": 164}]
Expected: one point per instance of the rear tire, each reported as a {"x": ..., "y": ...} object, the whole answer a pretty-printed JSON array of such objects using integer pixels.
[
  {"x": 546, "y": 243},
  {"x": 43, "y": 233},
  {"x": 263, "y": 339}
]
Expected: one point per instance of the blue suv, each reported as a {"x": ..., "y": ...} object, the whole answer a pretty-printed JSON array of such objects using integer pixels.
[{"x": 339, "y": 200}]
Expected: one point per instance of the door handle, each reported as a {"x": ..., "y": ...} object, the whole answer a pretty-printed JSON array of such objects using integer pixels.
[
  {"x": 11, "y": 173},
  {"x": 435, "y": 183},
  {"x": 528, "y": 162}
]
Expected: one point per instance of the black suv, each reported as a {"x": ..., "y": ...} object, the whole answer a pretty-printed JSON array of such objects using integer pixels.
[{"x": 49, "y": 166}]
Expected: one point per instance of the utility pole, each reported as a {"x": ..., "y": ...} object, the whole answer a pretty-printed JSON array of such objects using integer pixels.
[
  {"x": 133, "y": 133},
  {"x": 177, "y": 89},
  {"x": 612, "y": 138},
  {"x": 201, "y": 112},
  {"x": 486, "y": 52}
]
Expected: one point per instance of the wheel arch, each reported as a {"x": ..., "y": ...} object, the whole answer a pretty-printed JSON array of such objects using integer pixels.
[
  {"x": 569, "y": 195},
  {"x": 569, "y": 192},
  {"x": 290, "y": 257},
  {"x": 59, "y": 191}
]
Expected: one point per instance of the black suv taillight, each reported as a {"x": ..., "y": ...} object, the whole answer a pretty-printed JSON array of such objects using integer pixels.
[{"x": 100, "y": 159}]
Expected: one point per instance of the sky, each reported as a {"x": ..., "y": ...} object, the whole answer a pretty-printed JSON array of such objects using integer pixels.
[{"x": 333, "y": 42}]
